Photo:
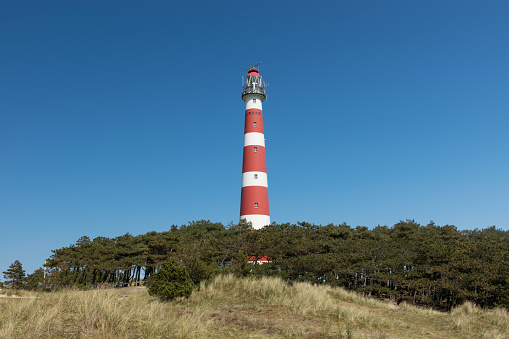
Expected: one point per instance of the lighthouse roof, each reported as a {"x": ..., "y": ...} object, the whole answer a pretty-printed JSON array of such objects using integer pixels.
[{"x": 253, "y": 72}]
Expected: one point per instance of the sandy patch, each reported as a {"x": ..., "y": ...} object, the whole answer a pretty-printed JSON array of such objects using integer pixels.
[{"x": 15, "y": 297}]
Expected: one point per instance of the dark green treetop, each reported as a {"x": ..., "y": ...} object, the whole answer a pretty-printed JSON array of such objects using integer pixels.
[{"x": 15, "y": 276}]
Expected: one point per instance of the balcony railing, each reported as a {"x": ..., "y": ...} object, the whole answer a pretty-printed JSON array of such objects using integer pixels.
[{"x": 253, "y": 90}]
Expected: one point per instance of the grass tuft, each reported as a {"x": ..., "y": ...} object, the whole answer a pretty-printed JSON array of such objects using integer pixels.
[{"x": 234, "y": 307}]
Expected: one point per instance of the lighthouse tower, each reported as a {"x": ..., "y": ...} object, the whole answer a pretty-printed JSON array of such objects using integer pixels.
[{"x": 254, "y": 200}]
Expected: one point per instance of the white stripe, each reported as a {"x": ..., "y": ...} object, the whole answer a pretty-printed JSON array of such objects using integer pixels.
[
  {"x": 254, "y": 138},
  {"x": 257, "y": 220},
  {"x": 254, "y": 179},
  {"x": 253, "y": 102}
]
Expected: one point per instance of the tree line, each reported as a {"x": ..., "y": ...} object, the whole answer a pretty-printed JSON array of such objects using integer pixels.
[{"x": 437, "y": 266}]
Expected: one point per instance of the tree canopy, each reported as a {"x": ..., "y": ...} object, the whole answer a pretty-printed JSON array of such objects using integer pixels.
[
  {"x": 431, "y": 265},
  {"x": 15, "y": 276}
]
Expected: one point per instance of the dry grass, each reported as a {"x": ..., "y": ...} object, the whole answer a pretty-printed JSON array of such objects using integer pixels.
[{"x": 244, "y": 308}]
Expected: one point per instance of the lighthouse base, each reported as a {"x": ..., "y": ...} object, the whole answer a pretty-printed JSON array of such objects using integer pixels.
[{"x": 257, "y": 220}]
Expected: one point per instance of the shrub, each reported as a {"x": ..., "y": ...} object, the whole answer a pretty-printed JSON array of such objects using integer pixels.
[
  {"x": 171, "y": 281},
  {"x": 198, "y": 270}
]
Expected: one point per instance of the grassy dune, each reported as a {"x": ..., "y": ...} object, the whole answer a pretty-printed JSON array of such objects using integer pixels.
[{"x": 232, "y": 307}]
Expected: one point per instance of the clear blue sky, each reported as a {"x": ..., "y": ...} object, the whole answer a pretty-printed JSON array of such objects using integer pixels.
[{"x": 126, "y": 116}]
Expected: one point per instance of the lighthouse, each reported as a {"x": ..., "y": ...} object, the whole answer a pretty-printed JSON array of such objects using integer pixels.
[{"x": 254, "y": 200}]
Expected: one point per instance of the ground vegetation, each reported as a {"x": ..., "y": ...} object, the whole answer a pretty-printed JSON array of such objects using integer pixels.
[
  {"x": 428, "y": 265},
  {"x": 232, "y": 307}
]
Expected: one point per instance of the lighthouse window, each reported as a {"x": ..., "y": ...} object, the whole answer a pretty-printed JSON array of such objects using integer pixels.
[
  {"x": 255, "y": 149},
  {"x": 256, "y": 205},
  {"x": 256, "y": 176},
  {"x": 254, "y": 124},
  {"x": 254, "y": 100}
]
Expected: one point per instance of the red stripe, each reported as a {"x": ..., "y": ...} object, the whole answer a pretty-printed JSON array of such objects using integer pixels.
[
  {"x": 251, "y": 195},
  {"x": 255, "y": 111},
  {"x": 254, "y": 161},
  {"x": 252, "y": 116}
]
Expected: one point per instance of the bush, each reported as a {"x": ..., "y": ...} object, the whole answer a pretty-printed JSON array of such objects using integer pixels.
[
  {"x": 198, "y": 270},
  {"x": 171, "y": 281}
]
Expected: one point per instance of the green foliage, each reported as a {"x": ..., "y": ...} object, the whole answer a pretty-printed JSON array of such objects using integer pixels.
[
  {"x": 198, "y": 270},
  {"x": 429, "y": 265},
  {"x": 35, "y": 281},
  {"x": 171, "y": 281},
  {"x": 15, "y": 276}
]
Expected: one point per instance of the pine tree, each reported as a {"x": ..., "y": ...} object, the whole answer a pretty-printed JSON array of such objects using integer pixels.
[
  {"x": 15, "y": 276},
  {"x": 35, "y": 281}
]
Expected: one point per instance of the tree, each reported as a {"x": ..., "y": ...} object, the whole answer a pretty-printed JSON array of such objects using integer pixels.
[
  {"x": 171, "y": 281},
  {"x": 430, "y": 265},
  {"x": 15, "y": 276},
  {"x": 35, "y": 281}
]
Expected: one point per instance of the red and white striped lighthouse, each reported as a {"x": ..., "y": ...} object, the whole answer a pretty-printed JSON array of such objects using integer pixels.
[{"x": 254, "y": 200}]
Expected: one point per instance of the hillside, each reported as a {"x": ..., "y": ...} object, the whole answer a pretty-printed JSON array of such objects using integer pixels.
[
  {"x": 240, "y": 308},
  {"x": 434, "y": 266}
]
